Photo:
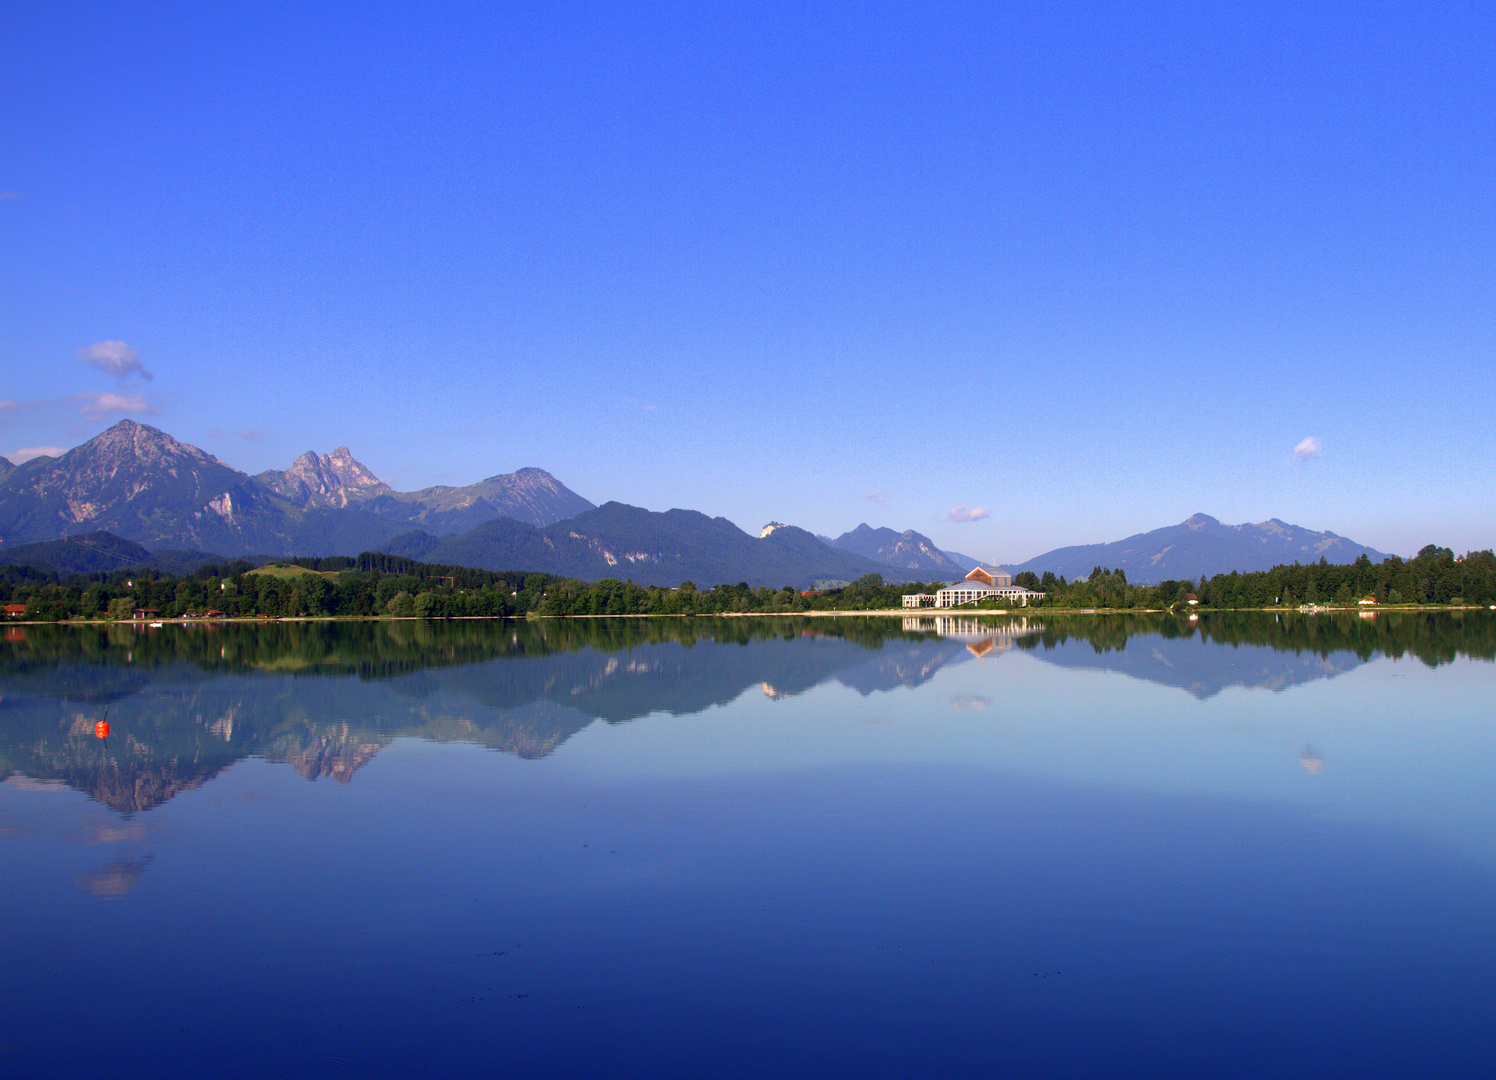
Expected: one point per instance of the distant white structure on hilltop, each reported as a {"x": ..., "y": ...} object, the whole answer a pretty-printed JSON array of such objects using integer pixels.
[
  {"x": 770, "y": 527},
  {"x": 981, "y": 583}
]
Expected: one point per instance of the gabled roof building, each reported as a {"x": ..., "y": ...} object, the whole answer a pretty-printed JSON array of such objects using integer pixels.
[{"x": 980, "y": 584}]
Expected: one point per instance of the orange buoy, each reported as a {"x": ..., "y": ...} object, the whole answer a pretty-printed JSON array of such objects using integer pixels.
[{"x": 101, "y": 729}]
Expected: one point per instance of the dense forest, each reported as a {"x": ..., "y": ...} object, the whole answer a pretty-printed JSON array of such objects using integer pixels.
[
  {"x": 1434, "y": 576},
  {"x": 370, "y": 585},
  {"x": 388, "y": 585}
]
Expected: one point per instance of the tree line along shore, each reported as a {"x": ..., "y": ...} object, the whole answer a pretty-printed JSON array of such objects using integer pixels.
[{"x": 374, "y": 585}]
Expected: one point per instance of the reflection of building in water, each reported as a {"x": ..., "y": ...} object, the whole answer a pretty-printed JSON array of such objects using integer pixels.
[
  {"x": 981, "y": 584},
  {"x": 223, "y": 727},
  {"x": 981, "y": 638},
  {"x": 1310, "y": 759}
]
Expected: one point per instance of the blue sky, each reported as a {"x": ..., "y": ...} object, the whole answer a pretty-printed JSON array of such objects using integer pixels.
[{"x": 1085, "y": 269}]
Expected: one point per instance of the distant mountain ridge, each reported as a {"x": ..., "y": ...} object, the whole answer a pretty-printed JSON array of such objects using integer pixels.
[
  {"x": 907, "y": 550},
  {"x": 620, "y": 541},
  {"x": 138, "y": 484},
  {"x": 1200, "y": 545},
  {"x": 142, "y": 485}
]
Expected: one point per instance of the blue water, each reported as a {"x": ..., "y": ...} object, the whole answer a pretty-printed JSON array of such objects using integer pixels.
[{"x": 896, "y": 861}]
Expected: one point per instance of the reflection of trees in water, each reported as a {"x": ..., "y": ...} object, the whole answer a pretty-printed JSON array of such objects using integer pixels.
[
  {"x": 116, "y": 655},
  {"x": 1433, "y": 637},
  {"x": 1204, "y": 655}
]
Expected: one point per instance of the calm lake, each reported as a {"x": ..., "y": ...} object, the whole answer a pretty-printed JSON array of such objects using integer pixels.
[{"x": 1238, "y": 846}]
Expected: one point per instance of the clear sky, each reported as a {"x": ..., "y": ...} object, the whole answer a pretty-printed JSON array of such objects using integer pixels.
[{"x": 1081, "y": 270}]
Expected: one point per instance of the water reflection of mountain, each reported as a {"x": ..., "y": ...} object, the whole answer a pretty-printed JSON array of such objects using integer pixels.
[
  {"x": 1206, "y": 654},
  {"x": 185, "y": 703},
  {"x": 325, "y": 698},
  {"x": 1196, "y": 667}
]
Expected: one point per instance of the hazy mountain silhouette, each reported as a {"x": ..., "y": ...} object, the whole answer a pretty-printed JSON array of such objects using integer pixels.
[{"x": 1200, "y": 545}]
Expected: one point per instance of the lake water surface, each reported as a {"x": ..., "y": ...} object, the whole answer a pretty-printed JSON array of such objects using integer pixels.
[{"x": 1239, "y": 846}]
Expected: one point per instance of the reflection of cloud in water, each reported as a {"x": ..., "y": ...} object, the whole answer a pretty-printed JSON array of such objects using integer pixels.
[
  {"x": 116, "y": 833},
  {"x": 26, "y": 783},
  {"x": 115, "y": 878},
  {"x": 1311, "y": 760},
  {"x": 970, "y": 702}
]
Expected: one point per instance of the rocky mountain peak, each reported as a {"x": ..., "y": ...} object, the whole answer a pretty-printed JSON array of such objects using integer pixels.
[
  {"x": 129, "y": 442},
  {"x": 334, "y": 479}
]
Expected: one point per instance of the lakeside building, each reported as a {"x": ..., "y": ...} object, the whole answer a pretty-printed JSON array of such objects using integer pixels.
[{"x": 980, "y": 584}]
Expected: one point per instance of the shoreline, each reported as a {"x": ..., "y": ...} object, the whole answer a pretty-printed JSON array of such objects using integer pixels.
[{"x": 880, "y": 613}]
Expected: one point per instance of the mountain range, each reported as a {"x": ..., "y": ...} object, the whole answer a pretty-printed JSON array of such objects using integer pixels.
[
  {"x": 1200, "y": 545},
  {"x": 139, "y": 483},
  {"x": 135, "y": 496},
  {"x": 620, "y": 541}
]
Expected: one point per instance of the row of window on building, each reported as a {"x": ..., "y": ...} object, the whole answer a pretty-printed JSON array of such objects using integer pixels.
[{"x": 980, "y": 584}]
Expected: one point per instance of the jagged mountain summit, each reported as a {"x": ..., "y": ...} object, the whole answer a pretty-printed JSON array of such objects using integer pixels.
[
  {"x": 908, "y": 550},
  {"x": 334, "y": 479},
  {"x": 140, "y": 484},
  {"x": 1201, "y": 545},
  {"x": 339, "y": 481}
]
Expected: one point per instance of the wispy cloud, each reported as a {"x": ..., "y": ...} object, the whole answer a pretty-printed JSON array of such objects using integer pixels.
[
  {"x": 875, "y": 496},
  {"x": 1307, "y": 449},
  {"x": 8, "y": 195},
  {"x": 113, "y": 358},
  {"x": 960, "y": 514},
  {"x": 251, "y": 434},
  {"x": 26, "y": 453},
  {"x": 96, "y": 405}
]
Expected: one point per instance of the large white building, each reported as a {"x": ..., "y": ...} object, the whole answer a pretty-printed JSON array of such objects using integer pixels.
[{"x": 980, "y": 584}]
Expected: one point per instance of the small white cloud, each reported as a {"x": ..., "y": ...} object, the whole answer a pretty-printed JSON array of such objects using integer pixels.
[
  {"x": 1307, "y": 449},
  {"x": 960, "y": 514},
  {"x": 26, "y": 453},
  {"x": 114, "y": 358},
  {"x": 875, "y": 496},
  {"x": 96, "y": 405}
]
